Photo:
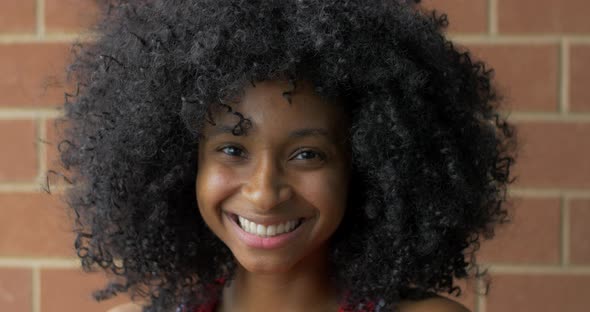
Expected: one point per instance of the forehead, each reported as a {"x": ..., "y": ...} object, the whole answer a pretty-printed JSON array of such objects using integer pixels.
[{"x": 268, "y": 108}]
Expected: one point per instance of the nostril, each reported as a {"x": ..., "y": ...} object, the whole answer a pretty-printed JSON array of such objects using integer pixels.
[{"x": 266, "y": 198}]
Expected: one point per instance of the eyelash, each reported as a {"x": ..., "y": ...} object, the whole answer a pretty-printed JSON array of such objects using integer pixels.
[
  {"x": 221, "y": 149},
  {"x": 319, "y": 155}
]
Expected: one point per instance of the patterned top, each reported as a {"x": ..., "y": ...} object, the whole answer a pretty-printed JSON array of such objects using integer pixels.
[{"x": 212, "y": 305}]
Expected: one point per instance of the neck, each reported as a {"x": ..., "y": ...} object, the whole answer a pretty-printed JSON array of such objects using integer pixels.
[{"x": 306, "y": 287}]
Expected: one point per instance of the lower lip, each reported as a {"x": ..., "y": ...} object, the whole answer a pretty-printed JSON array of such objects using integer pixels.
[{"x": 256, "y": 241}]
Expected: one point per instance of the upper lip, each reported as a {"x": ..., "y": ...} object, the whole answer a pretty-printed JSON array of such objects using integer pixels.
[{"x": 265, "y": 220}]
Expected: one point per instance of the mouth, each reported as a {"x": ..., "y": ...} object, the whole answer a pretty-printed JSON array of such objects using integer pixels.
[{"x": 268, "y": 230}]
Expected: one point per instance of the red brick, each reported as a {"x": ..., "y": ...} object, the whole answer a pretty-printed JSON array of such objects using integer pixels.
[
  {"x": 64, "y": 290},
  {"x": 526, "y": 74},
  {"x": 17, "y": 16},
  {"x": 465, "y": 16},
  {"x": 554, "y": 155},
  {"x": 543, "y": 16},
  {"x": 69, "y": 15},
  {"x": 533, "y": 236},
  {"x": 580, "y": 232},
  {"x": 539, "y": 293},
  {"x": 54, "y": 131},
  {"x": 52, "y": 140},
  {"x": 33, "y": 74},
  {"x": 18, "y": 159},
  {"x": 15, "y": 289},
  {"x": 579, "y": 78},
  {"x": 35, "y": 224}
]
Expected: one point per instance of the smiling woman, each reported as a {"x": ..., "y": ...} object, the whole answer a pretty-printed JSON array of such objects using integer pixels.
[
  {"x": 269, "y": 178},
  {"x": 283, "y": 156},
  {"x": 288, "y": 171}
]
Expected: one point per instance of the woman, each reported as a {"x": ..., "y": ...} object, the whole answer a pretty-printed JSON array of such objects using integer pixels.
[{"x": 283, "y": 156}]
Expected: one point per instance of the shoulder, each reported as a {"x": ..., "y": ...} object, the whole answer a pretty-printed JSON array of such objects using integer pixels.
[
  {"x": 128, "y": 307},
  {"x": 434, "y": 304}
]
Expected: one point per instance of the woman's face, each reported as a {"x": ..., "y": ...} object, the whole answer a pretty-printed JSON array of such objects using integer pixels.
[{"x": 277, "y": 193}]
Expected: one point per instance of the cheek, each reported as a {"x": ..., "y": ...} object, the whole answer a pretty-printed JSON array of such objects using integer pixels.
[
  {"x": 211, "y": 186},
  {"x": 327, "y": 192}
]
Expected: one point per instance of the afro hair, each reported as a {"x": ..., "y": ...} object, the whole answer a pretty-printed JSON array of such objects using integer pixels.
[{"x": 431, "y": 153}]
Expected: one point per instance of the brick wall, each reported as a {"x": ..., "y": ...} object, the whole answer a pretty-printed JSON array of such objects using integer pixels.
[{"x": 539, "y": 48}]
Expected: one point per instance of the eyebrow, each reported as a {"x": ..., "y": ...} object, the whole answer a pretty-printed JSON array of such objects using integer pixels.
[
  {"x": 309, "y": 132},
  {"x": 299, "y": 133}
]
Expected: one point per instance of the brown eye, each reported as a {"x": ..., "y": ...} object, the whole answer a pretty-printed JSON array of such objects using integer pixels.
[
  {"x": 232, "y": 150},
  {"x": 309, "y": 155}
]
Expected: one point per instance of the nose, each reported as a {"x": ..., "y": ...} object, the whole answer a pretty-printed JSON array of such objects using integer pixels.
[{"x": 266, "y": 187}]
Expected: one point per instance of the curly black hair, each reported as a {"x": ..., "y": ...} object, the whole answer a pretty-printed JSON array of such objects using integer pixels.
[{"x": 431, "y": 152}]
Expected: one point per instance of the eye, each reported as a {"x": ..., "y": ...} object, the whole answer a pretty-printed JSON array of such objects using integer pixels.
[
  {"x": 309, "y": 155},
  {"x": 232, "y": 150}
]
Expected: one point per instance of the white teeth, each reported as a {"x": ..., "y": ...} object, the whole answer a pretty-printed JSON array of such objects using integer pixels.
[
  {"x": 290, "y": 225},
  {"x": 265, "y": 231},
  {"x": 271, "y": 230},
  {"x": 261, "y": 230}
]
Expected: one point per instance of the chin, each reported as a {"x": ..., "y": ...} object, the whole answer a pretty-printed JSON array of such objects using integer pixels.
[{"x": 265, "y": 264}]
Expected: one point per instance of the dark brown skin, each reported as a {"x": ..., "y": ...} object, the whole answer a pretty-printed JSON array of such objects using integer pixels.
[{"x": 269, "y": 175}]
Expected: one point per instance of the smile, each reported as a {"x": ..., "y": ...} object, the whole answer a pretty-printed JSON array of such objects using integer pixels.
[
  {"x": 269, "y": 230},
  {"x": 261, "y": 236}
]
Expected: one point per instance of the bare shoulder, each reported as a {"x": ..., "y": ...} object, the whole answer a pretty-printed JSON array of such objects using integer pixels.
[
  {"x": 434, "y": 304},
  {"x": 127, "y": 307}
]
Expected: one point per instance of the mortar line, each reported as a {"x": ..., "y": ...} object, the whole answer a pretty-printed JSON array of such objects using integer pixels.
[
  {"x": 36, "y": 289},
  {"x": 25, "y": 262},
  {"x": 40, "y": 18},
  {"x": 565, "y": 231},
  {"x": 549, "y": 193},
  {"x": 538, "y": 269},
  {"x": 500, "y": 39},
  {"x": 15, "y": 187},
  {"x": 519, "y": 39},
  {"x": 47, "y": 38},
  {"x": 480, "y": 301},
  {"x": 30, "y": 187},
  {"x": 550, "y": 116},
  {"x": 564, "y": 81},
  {"x": 492, "y": 17},
  {"x": 40, "y": 140},
  {"x": 562, "y": 220},
  {"x": 29, "y": 113},
  {"x": 578, "y": 39}
]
